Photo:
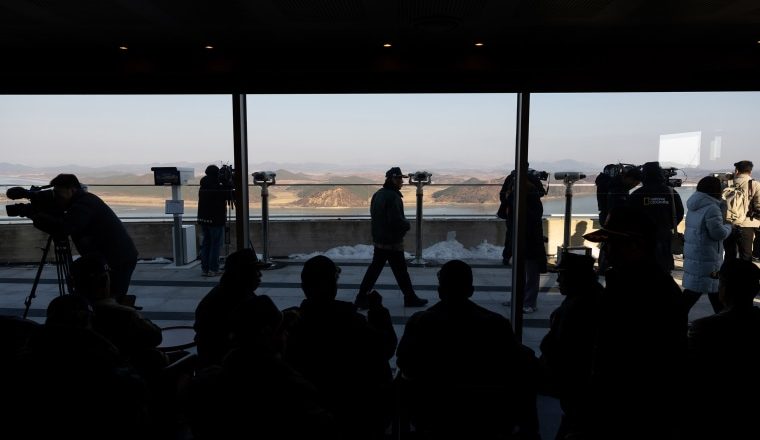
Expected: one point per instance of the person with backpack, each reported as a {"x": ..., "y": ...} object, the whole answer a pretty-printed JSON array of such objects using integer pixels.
[{"x": 743, "y": 211}]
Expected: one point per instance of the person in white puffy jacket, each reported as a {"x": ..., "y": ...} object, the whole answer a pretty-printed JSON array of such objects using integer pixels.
[{"x": 703, "y": 243}]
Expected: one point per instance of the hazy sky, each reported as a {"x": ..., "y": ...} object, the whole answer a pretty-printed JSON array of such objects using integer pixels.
[{"x": 443, "y": 130}]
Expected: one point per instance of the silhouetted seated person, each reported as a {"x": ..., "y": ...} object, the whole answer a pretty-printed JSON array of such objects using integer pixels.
[
  {"x": 725, "y": 359},
  {"x": 15, "y": 333},
  {"x": 134, "y": 336},
  {"x": 464, "y": 374},
  {"x": 567, "y": 350},
  {"x": 641, "y": 344},
  {"x": 344, "y": 354},
  {"x": 254, "y": 394},
  {"x": 72, "y": 383},
  {"x": 242, "y": 275}
]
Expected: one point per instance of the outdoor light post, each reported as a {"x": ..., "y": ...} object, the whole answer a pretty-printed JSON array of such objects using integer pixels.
[
  {"x": 264, "y": 179},
  {"x": 420, "y": 179}
]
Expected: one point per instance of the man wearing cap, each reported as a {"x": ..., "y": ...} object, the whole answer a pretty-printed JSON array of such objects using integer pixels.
[
  {"x": 743, "y": 239},
  {"x": 389, "y": 225},
  {"x": 94, "y": 228},
  {"x": 663, "y": 205}
]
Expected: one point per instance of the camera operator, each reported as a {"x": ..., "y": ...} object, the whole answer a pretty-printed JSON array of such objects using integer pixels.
[
  {"x": 506, "y": 207},
  {"x": 745, "y": 229},
  {"x": 663, "y": 205},
  {"x": 94, "y": 228},
  {"x": 215, "y": 192}
]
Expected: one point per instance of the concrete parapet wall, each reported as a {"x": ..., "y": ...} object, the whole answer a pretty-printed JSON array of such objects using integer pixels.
[{"x": 22, "y": 242}]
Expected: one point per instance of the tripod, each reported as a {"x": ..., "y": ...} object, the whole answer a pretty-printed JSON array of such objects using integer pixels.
[{"x": 63, "y": 260}]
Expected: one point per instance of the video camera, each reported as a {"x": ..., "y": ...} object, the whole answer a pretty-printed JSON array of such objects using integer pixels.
[
  {"x": 42, "y": 199},
  {"x": 668, "y": 173},
  {"x": 540, "y": 175},
  {"x": 617, "y": 169},
  {"x": 726, "y": 179},
  {"x": 227, "y": 176}
]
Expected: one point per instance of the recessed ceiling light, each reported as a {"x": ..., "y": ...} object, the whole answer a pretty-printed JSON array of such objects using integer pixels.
[
  {"x": 387, "y": 45},
  {"x": 209, "y": 47},
  {"x": 479, "y": 44},
  {"x": 123, "y": 48}
]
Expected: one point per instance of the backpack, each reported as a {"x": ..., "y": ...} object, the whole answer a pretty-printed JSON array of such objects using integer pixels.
[{"x": 738, "y": 202}]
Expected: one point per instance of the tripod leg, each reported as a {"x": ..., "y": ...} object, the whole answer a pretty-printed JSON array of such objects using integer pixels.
[
  {"x": 62, "y": 264},
  {"x": 33, "y": 293}
]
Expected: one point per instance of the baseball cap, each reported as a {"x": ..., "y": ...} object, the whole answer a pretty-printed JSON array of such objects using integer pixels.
[
  {"x": 394, "y": 172},
  {"x": 576, "y": 263},
  {"x": 624, "y": 222}
]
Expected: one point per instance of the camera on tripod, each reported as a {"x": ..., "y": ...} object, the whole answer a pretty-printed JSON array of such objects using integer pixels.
[
  {"x": 227, "y": 176},
  {"x": 41, "y": 198}
]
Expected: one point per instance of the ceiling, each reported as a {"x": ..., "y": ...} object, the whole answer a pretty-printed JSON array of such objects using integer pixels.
[{"x": 336, "y": 46}]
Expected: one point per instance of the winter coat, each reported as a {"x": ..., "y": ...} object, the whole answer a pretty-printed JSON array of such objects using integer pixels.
[
  {"x": 703, "y": 242},
  {"x": 389, "y": 225},
  {"x": 212, "y": 201}
]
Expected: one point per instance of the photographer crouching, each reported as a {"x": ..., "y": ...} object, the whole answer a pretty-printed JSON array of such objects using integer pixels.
[
  {"x": 93, "y": 227},
  {"x": 214, "y": 195}
]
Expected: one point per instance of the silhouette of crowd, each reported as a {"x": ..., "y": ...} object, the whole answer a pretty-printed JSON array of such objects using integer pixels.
[{"x": 621, "y": 356}]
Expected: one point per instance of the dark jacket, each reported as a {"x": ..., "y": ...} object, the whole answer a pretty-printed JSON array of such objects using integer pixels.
[
  {"x": 465, "y": 369},
  {"x": 93, "y": 227},
  {"x": 212, "y": 202},
  {"x": 346, "y": 356},
  {"x": 213, "y": 323},
  {"x": 656, "y": 200},
  {"x": 389, "y": 224}
]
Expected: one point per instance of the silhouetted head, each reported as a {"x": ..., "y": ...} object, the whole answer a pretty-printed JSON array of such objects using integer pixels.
[
  {"x": 319, "y": 278},
  {"x": 652, "y": 173},
  {"x": 739, "y": 283},
  {"x": 711, "y": 186},
  {"x": 631, "y": 176},
  {"x": 743, "y": 167},
  {"x": 395, "y": 177},
  {"x": 72, "y": 311},
  {"x": 242, "y": 272},
  {"x": 629, "y": 235},
  {"x": 90, "y": 276},
  {"x": 575, "y": 272},
  {"x": 257, "y": 323},
  {"x": 64, "y": 188},
  {"x": 455, "y": 281},
  {"x": 212, "y": 171}
]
